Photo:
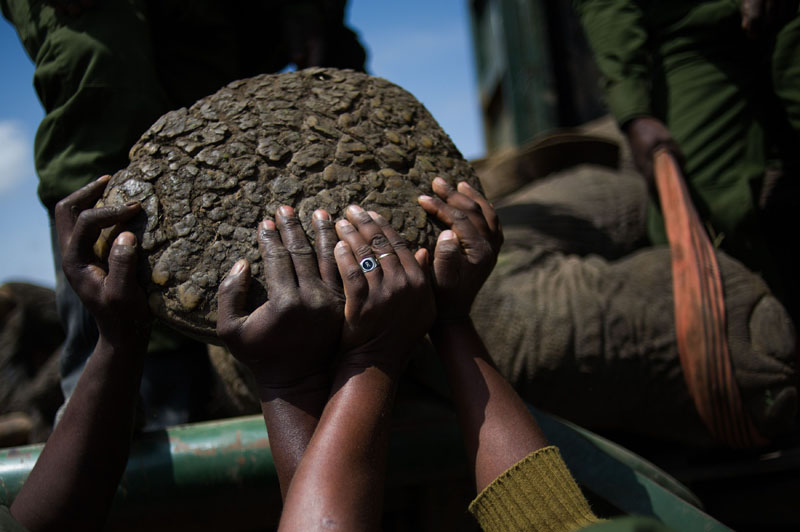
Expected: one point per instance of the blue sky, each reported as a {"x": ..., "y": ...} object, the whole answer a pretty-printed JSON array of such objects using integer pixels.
[{"x": 424, "y": 46}]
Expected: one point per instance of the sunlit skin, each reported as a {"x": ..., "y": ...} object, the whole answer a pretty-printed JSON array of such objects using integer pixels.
[
  {"x": 327, "y": 349},
  {"x": 75, "y": 478}
]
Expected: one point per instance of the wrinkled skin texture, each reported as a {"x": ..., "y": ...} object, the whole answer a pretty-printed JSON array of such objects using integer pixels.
[
  {"x": 293, "y": 336},
  {"x": 314, "y": 139},
  {"x": 371, "y": 326}
]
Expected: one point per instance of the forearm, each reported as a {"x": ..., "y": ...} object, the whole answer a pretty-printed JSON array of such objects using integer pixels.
[
  {"x": 340, "y": 479},
  {"x": 499, "y": 430},
  {"x": 291, "y": 416},
  {"x": 75, "y": 479}
]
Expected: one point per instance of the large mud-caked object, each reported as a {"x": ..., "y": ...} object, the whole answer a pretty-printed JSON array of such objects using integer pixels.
[{"x": 318, "y": 138}]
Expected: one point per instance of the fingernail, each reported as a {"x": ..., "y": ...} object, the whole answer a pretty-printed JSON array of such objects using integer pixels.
[
  {"x": 341, "y": 247},
  {"x": 355, "y": 209},
  {"x": 126, "y": 239},
  {"x": 104, "y": 178},
  {"x": 238, "y": 267},
  {"x": 425, "y": 197},
  {"x": 440, "y": 181},
  {"x": 343, "y": 223},
  {"x": 374, "y": 215},
  {"x": 286, "y": 211},
  {"x": 132, "y": 203},
  {"x": 267, "y": 225},
  {"x": 319, "y": 214},
  {"x": 447, "y": 234},
  {"x": 464, "y": 184}
]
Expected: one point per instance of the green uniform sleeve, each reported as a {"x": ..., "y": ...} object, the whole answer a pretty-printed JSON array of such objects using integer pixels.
[
  {"x": 538, "y": 493},
  {"x": 617, "y": 34}
]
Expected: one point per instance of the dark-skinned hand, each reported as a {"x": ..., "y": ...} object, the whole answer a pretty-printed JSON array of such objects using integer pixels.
[
  {"x": 467, "y": 252},
  {"x": 108, "y": 289},
  {"x": 388, "y": 309},
  {"x": 645, "y": 135},
  {"x": 293, "y": 336},
  {"x": 761, "y": 18}
]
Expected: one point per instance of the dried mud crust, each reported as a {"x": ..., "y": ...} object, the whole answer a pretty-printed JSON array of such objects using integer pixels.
[{"x": 318, "y": 138}]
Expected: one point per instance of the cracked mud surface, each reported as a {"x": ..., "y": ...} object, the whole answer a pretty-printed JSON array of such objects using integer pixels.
[{"x": 318, "y": 138}]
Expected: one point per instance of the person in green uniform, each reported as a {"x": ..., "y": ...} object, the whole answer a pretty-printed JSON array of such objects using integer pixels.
[
  {"x": 105, "y": 71},
  {"x": 717, "y": 82}
]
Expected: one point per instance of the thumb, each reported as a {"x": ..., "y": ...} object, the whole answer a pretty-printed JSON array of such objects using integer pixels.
[
  {"x": 232, "y": 298},
  {"x": 121, "y": 278},
  {"x": 446, "y": 257}
]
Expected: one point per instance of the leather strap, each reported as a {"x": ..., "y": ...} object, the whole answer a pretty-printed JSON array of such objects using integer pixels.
[{"x": 700, "y": 322}]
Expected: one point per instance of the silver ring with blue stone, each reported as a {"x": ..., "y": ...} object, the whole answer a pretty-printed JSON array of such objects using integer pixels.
[{"x": 368, "y": 264}]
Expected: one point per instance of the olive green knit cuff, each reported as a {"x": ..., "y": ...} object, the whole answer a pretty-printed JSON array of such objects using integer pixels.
[{"x": 536, "y": 493}]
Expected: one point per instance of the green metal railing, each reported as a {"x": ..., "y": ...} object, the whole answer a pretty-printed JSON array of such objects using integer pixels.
[{"x": 207, "y": 474}]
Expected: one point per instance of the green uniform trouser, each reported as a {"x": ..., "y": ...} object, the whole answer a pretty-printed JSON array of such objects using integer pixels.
[
  {"x": 104, "y": 76},
  {"x": 715, "y": 90}
]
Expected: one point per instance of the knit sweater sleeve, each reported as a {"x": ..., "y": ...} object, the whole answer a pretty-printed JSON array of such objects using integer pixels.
[{"x": 537, "y": 493}]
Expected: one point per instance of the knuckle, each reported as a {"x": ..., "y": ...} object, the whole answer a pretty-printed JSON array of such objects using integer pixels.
[
  {"x": 266, "y": 236},
  {"x": 363, "y": 218},
  {"x": 291, "y": 223},
  {"x": 363, "y": 250},
  {"x": 379, "y": 241},
  {"x": 299, "y": 247},
  {"x": 472, "y": 205},
  {"x": 323, "y": 225},
  {"x": 275, "y": 253},
  {"x": 399, "y": 243},
  {"x": 458, "y": 215},
  {"x": 63, "y": 206},
  {"x": 346, "y": 229},
  {"x": 86, "y": 217},
  {"x": 354, "y": 275},
  {"x": 121, "y": 261}
]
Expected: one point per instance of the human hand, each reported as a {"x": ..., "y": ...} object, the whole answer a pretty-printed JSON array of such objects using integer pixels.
[
  {"x": 467, "y": 252},
  {"x": 646, "y": 134},
  {"x": 760, "y": 17},
  {"x": 108, "y": 289},
  {"x": 388, "y": 309},
  {"x": 293, "y": 336}
]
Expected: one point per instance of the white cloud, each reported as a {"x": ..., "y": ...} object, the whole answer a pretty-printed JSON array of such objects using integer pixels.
[{"x": 16, "y": 164}]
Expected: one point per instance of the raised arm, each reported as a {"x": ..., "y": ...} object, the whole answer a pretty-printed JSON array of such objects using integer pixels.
[
  {"x": 498, "y": 429},
  {"x": 74, "y": 481},
  {"x": 290, "y": 341},
  {"x": 389, "y": 307},
  {"x": 522, "y": 482}
]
